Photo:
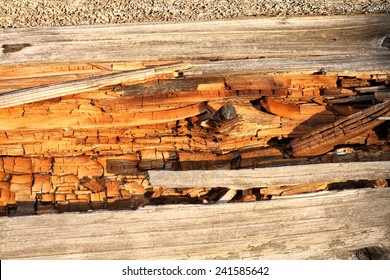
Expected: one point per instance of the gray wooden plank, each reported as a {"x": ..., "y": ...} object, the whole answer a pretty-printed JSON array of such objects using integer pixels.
[
  {"x": 271, "y": 176},
  {"x": 339, "y": 43},
  {"x": 328, "y": 225}
]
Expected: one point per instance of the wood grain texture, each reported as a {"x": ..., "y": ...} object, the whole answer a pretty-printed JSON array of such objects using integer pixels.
[
  {"x": 322, "y": 140},
  {"x": 271, "y": 176},
  {"x": 331, "y": 225},
  {"x": 35, "y": 94},
  {"x": 337, "y": 43}
]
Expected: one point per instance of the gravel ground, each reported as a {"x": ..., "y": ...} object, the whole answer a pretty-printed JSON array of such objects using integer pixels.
[{"x": 26, "y": 13}]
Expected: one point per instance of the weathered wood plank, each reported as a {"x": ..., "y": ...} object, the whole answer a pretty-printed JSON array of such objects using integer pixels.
[
  {"x": 336, "y": 43},
  {"x": 271, "y": 176},
  {"x": 331, "y": 225},
  {"x": 29, "y": 95}
]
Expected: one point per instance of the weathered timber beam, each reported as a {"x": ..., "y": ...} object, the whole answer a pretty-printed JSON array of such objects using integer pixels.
[
  {"x": 323, "y": 139},
  {"x": 271, "y": 176},
  {"x": 45, "y": 92},
  {"x": 335, "y": 43},
  {"x": 274, "y": 229}
]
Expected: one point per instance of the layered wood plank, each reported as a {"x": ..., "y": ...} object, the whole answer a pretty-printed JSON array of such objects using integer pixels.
[
  {"x": 318, "y": 227},
  {"x": 338, "y": 43},
  {"x": 94, "y": 147}
]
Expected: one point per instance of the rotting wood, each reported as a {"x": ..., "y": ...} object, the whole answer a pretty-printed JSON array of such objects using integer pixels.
[
  {"x": 124, "y": 153},
  {"x": 323, "y": 139},
  {"x": 30, "y": 95},
  {"x": 291, "y": 190},
  {"x": 271, "y": 176},
  {"x": 349, "y": 99},
  {"x": 284, "y": 110},
  {"x": 96, "y": 120},
  {"x": 196, "y": 231},
  {"x": 114, "y": 135}
]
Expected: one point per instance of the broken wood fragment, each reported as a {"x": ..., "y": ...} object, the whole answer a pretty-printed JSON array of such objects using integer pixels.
[
  {"x": 323, "y": 139},
  {"x": 292, "y": 190},
  {"x": 93, "y": 185},
  {"x": 381, "y": 183},
  {"x": 350, "y": 99},
  {"x": 351, "y": 82},
  {"x": 228, "y": 196},
  {"x": 372, "y": 89},
  {"x": 45, "y": 92},
  {"x": 290, "y": 111}
]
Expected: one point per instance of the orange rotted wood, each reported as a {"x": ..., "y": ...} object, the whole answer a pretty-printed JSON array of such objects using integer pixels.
[
  {"x": 326, "y": 137},
  {"x": 80, "y": 166},
  {"x": 284, "y": 110},
  {"x": 83, "y": 119},
  {"x": 29, "y": 95}
]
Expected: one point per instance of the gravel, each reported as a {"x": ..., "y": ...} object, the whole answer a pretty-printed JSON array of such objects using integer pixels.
[{"x": 28, "y": 13}]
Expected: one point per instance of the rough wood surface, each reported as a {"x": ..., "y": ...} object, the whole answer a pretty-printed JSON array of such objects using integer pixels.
[
  {"x": 53, "y": 150},
  {"x": 45, "y": 92},
  {"x": 95, "y": 147},
  {"x": 336, "y": 43},
  {"x": 321, "y": 140},
  {"x": 271, "y": 176},
  {"x": 332, "y": 225}
]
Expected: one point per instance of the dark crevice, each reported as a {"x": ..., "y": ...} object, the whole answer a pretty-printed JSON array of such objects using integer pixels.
[
  {"x": 386, "y": 42},
  {"x": 11, "y": 48},
  {"x": 373, "y": 253}
]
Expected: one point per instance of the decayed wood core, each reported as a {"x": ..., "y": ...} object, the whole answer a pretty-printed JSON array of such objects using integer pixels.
[
  {"x": 284, "y": 92},
  {"x": 93, "y": 149}
]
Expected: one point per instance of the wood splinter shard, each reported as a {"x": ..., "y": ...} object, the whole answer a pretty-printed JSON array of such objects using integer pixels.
[
  {"x": 228, "y": 196},
  {"x": 223, "y": 120},
  {"x": 40, "y": 93}
]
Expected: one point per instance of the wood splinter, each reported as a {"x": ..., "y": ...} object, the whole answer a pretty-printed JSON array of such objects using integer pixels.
[
  {"x": 322, "y": 140},
  {"x": 228, "y": 196},
  {"x": 40, "y": 93}
]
